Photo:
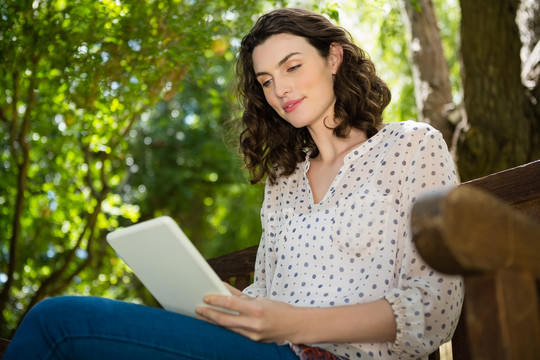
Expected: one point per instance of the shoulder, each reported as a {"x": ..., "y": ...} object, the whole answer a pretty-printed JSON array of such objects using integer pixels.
[
  {"x": 285, "y": 180},
  {"x": 412, "y": 132},
  {"x": 410, "y": 128},
  {"x": 282, "y": 177}
]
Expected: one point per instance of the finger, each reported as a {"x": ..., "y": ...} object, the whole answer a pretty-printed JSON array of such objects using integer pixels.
[
  {"x": 207, "y": 314},
  {"x": 238, "y": 305},
  {"x": 233, "y": 290},
  {"x": 238, "y": 323},
  {"x": 204, "y": 313},
  {"x": 218, "y": 317},
  {"x": 226, "y": 302}
]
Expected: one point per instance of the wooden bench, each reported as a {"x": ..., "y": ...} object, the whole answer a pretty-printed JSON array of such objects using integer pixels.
[
  {"x": 488, "y": 230},
  {"x": 478, "y": 230}
]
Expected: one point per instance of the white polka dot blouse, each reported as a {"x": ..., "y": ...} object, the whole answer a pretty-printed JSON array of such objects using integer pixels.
[{"x": 354, "y": 246}]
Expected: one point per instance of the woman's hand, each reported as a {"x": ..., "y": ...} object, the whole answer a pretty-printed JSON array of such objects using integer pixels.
[
  {"x": 259, "y": 319},
  {"x": 266, "y": 320}
]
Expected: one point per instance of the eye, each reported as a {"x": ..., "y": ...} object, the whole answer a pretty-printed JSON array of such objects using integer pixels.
[
  {"x": 267, "y": 83},
  {"x": 292, "y": 68}
]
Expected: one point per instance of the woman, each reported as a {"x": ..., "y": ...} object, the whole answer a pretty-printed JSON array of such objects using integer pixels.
[{"x": 336, "y": 276}]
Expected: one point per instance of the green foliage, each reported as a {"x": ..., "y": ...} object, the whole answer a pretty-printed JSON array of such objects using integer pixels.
[
  {"x": 180, "y": 166},
  {"x": 393, "y": 49},
  {"x": 76, "y": 77}
]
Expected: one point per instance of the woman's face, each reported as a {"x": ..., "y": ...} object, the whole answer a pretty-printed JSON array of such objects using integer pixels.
[{"x": 296, "y": 80}]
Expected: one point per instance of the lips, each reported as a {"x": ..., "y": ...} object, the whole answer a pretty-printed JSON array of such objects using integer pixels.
[{"x": 290, "y": 106}]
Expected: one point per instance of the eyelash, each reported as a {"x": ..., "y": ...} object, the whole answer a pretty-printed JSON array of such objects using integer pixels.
[{"x": 292, "y": 68}]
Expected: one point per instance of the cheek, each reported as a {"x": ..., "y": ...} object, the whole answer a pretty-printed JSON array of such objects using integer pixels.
[
  {"x": 323, "y": 85},
  {"x": 307, "y": 82},
  {"x": 271, "y": 99},
  {"x": 320, "y": 80}
]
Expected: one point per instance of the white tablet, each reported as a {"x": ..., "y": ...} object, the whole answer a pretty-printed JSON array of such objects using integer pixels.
[{"x": 167, "y": 263}]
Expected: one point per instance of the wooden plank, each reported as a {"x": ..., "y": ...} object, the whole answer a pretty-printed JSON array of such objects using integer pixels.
[
  {"x": 235, "y": 264},
  {"x": 530, "y": 209},
  {"x": 514, "y": 186},
  {"x": 518, "y": 307},
  {"x": 461, "y": 349},
  {"x": 502, "y": 316},
  {"x": 241, "y": 282},
  {"x": 482, "y": 318}
]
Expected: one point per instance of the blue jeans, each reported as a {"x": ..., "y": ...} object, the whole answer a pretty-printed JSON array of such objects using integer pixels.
[{"x": 87, "y": 328}]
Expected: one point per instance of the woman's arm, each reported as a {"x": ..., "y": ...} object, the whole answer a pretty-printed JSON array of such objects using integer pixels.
[
  {"x": 266, "y": 320},
  {"x": 426, "y": 303}
]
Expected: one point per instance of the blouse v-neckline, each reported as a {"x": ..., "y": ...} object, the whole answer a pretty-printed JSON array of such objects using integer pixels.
[{"x": 352, "y": 155}]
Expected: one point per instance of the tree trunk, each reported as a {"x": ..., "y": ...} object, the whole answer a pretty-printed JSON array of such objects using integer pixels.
[
  {"x": 528, "y": 20},
  {"x": 500, "y": 121},
  {"x": 429, "y": 66}
]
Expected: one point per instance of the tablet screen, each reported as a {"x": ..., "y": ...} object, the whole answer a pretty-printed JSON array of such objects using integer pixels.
[{"x": 167, "y": 263}]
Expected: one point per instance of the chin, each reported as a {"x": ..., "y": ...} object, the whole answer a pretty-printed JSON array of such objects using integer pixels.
[{"x": 296, "y": 124}]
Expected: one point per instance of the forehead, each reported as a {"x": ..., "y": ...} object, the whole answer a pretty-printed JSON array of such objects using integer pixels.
[{"x": 267, "y": 55}]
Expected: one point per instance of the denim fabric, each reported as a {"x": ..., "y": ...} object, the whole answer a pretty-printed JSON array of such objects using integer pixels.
[{"x": 88, "y": 328}]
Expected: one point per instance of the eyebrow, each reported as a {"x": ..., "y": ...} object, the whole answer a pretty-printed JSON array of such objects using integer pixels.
[{"x": 281, "y": 62}]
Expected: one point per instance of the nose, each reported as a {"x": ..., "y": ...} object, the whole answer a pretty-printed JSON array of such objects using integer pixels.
[{"x": 281, "y": 87}]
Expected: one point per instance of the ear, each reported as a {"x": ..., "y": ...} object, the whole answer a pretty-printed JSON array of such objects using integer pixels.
[{"x": 335, "y": 57}]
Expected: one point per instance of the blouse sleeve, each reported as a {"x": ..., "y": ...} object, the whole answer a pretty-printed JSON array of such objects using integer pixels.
[
  {"x": 426, "y": 303},
  {"x": 258, "y": 287}
]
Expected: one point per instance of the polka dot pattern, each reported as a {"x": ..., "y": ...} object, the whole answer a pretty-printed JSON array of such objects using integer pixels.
[{"x": 354, "y": 245}]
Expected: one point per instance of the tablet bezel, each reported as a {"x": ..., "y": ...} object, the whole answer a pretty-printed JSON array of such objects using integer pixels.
[{"x": 167, "y": 264}]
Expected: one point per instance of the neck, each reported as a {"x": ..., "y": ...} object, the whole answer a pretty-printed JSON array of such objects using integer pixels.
[{"x": 332, "y": 148}]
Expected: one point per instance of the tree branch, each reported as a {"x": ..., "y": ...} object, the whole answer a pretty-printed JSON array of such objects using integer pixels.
[{"x": 18, "y": 139}]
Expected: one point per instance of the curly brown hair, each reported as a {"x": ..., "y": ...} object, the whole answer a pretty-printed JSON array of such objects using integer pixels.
[{"x": 271, "y": 146}]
